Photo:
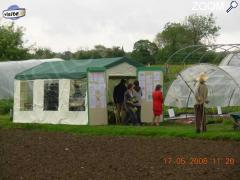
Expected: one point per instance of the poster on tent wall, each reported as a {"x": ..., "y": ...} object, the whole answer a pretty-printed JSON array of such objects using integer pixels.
[
  {"x": 97, "y": 93},
  {"x": 148, "y": 78},
  {"x": 148, "y": 81},
  {"x": 97, "y": 110}
]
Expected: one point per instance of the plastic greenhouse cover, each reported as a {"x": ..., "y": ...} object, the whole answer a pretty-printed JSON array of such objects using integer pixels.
[
  {"x": 231, "y": 60},
  {"x": 223, "y": 89},
  {"x": 9, "y": 69},
  {"x": 234, "y": 71}
]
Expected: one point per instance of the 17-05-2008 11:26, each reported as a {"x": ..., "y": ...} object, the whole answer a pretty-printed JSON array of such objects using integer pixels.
[{"x": 200, "y": 161}]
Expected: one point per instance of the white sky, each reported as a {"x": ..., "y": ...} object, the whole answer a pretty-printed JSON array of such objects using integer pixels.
[{"x": 73, "y": 24}]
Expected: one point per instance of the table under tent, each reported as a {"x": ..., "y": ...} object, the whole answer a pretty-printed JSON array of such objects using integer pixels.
[
  {"x": 74, "y": 91},
  {"x": 8, "y": 70}
]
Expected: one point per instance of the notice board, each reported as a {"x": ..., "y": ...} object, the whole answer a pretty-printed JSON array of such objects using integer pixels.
[
  {"x": 148, "y": 78},
  {"x": 97, "y": 104}
]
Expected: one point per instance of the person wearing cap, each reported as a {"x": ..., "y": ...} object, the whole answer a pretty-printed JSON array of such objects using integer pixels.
[{"x": 201, "y": 94}]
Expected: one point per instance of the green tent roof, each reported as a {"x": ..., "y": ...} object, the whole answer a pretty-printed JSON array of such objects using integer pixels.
[{"x": 71, "y": 69}]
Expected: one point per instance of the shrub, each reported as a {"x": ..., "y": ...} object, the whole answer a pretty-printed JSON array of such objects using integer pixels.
[{"x": 5, "y": 106}]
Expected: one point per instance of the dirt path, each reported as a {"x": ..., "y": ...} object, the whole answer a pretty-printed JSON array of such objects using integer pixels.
[{"x": 42, "y": 155}]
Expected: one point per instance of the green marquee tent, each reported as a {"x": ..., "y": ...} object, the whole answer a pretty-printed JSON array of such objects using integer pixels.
[{"x": 61, "y": 92}]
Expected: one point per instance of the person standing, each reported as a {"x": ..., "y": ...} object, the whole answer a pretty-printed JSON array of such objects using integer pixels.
[
  {"x": 201, "y": 94},
  {"x": 157, "y": 97},
  {"x": 118, "y": 97},
  {"x": 129, "y": 105},
  {"x": 137, "y": 93}
]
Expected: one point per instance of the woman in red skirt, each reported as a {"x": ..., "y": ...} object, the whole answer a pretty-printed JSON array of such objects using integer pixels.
[{"x": 157, "y": 97}]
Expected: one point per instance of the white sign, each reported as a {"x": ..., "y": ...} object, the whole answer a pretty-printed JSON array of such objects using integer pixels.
[
  {"x": 219, "y": 109},
  {"x": 97, "y": 88},
  {"x": 171, "y": 113}
]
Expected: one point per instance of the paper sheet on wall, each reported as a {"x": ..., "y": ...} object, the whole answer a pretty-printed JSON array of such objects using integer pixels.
[
  {"x": 102, "y": 102},
  {"x": 92, "y": 101},
  {"x": 141, "y": 76},
  {"x": 102, "y": 88},
  {"x": 142, "y": 85},
  {"x": 149, "y": 79},
  {"x": 101, "y": 80},
  {"x": 97, "y": 87},
  {"x": 156, "y": 76},
  {"x": 149, "y": 91},
  {"x": 91, "y": 89}
]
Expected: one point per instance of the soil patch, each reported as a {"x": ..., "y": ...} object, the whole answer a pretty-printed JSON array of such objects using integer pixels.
[{"x": 47, "y": 155}]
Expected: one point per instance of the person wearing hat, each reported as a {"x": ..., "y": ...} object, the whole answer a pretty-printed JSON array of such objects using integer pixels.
[{"x": 201, "y": 94}]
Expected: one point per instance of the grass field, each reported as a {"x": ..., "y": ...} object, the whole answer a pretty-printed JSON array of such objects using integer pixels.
[{"x": 215, "y": 131}]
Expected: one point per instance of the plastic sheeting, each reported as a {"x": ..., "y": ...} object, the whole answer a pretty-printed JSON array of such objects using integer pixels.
[
  {"x": 223, "y": 88},
  {"x": 231, "y": 60},
  {"x": 9, "y": 69},
  {"x": 234, "y": 71},
  {"x": 38, "y": 115}
]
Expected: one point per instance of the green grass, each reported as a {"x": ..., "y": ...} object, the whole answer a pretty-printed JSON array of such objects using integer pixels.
[{"x": 215, "y": 131}]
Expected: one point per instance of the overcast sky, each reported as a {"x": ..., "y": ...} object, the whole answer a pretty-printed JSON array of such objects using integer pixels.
[{"x": 73, "y": 24}]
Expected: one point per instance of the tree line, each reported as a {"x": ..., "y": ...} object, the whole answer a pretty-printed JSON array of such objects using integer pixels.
[{"x": 194, "y": 30}]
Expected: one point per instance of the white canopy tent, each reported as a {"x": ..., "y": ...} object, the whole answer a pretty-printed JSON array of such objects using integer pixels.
[{"x": 9, "y": 69}]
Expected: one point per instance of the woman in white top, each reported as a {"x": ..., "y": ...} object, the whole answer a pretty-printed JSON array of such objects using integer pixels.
[{"x": 137, "y": 93}]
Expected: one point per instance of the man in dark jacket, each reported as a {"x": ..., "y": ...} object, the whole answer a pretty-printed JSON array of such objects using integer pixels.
[{"x": 118, "y": 97}]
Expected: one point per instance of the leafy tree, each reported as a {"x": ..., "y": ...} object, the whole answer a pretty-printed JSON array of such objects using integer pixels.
[
  {"x": 144, "y": 51},
  {"x": 67, "y": 55},
  {"x": 173, "y": 37},
  {"x": 194, "y": 31},
  {"x": 115, "y": 51},
  {"x": 202, "y": 28},
  {"x": 99, "y": 51},
  {"x": 11, "y": 43},
  {"x": 43, "y": 53},
  {"x": 82, "y": 54}
]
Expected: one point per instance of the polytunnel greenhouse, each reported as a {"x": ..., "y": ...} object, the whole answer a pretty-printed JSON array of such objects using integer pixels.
[
  {"x": 223, "y": 86},
  {"x": 9, "y": 69},
  {"x": 232, "y": 59}
]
